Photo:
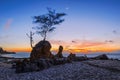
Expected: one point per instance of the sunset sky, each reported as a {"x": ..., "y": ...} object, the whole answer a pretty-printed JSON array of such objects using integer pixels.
[{"x": 89, "y": 26}]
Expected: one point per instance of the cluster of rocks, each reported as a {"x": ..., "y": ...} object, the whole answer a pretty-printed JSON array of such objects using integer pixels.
[
  {"x": 73, "y": 57},
  {"x": 42, "y": 58}
]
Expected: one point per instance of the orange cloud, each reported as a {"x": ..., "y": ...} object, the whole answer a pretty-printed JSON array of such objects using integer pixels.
[
  {"x": 78, "y": 43},
  {"x": 90, "y": 44},
  {"x": 83, "y": 46}
]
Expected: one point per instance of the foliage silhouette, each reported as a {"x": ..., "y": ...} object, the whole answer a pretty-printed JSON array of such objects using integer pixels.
[{"x": 47, "y": 21}]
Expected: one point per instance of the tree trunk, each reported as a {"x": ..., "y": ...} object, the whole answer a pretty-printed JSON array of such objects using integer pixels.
[
  {"x": 31, "y": 38},
  {"x": 31, "y": 42},
  {"x": 45, "y": 36}
]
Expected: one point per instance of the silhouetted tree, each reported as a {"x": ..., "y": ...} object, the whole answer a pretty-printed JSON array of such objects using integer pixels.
[
  {"x": 31, "y": 38},
  {"x": 47, "y": 21}
]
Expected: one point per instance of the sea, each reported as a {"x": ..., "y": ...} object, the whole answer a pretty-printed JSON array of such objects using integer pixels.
[{"x": 27, "y": 55}]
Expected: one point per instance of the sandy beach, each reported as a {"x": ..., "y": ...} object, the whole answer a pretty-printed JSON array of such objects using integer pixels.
[{"x": 85, "y": 70}]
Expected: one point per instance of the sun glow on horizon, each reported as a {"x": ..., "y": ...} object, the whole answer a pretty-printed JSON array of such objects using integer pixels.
[
  {"x": 69, "y": 51},
  {"x": 74, "y": 47}
]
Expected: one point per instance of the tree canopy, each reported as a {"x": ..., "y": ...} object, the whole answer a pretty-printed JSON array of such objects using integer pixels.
[{"x": 46, "y": 22}]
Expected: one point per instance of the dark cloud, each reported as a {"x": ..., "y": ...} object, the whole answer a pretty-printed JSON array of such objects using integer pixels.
[
  {"x": 74, "y": 42},
  {"x": 109, "y": 41},
  {"x": 114, "y": 31}
]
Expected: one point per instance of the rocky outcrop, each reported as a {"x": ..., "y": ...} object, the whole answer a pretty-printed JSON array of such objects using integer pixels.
[
  {"x": 40, "y": 58},
  {"x": 59, "y": 54},
  {"x": 41, "y": 50},
  {"x": 71, "y": 56},
  {"x": 101, "y": 57},
  {"x": 2, "y": 51}
]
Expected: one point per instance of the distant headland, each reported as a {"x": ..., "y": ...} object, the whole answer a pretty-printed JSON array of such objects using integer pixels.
[{"x": 2, "y": 51}]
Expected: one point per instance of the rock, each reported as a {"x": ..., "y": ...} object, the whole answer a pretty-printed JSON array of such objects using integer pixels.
[
  {"x": 1, "y": 50},
  {"x": 71, "y": 56},
  {"x": 44, "y": 63},
  {"x": 59, "y": 54},
  {"x": 19, "y": 67},
  {"x": 37, "y": 65},
  {"x": 41, "y": 50},
  {"x": 102, "y": 57},
  {"x": 59, "y": 61},
  {"x": 13, "y": 65},
  {"x": 81, "y": 58}
]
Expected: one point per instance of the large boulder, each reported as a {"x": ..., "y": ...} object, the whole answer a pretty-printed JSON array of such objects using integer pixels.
[
  {"x": 59, "y": 54},
  {"x": 41, "y": 50}
]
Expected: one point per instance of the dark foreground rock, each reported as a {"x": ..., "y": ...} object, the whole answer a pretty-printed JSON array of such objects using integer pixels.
[{"x": 38, "y": 64}]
